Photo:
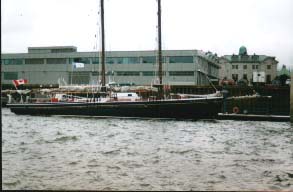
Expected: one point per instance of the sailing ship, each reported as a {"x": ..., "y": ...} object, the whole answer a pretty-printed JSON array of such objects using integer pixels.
[{"x": 128, "y": 104}]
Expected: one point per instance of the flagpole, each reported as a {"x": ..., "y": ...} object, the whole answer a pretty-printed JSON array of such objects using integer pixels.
[{"x": 15, "y": 86}]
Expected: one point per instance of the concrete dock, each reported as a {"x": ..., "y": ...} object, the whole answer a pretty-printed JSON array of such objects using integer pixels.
[{"x": 252, "y": 117}]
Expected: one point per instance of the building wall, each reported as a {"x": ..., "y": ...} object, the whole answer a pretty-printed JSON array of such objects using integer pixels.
[
  {"x": 39, "y": 67},
  {"x": 274, "y": 65}
]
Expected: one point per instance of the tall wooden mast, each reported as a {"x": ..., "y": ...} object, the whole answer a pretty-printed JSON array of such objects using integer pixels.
[
  {"x": 103, "y": 47},
  {"x": 160, "y": 72}
]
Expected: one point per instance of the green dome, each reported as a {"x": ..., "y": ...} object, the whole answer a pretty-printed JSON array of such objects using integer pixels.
[{"x": 242, "y": 50}]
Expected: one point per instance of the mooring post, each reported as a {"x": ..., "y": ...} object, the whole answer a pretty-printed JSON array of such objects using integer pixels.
[{"x": 291, "y": 98}]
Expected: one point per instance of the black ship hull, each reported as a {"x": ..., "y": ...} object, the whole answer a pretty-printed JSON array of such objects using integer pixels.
[{"x": 180, "y": 109}]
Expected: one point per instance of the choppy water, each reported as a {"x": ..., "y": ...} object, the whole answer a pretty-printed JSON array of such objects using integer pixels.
[{"x": 134, "y": 154}]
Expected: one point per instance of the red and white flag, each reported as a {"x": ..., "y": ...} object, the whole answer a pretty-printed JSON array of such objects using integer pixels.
[{"x": 19, "y": 82}]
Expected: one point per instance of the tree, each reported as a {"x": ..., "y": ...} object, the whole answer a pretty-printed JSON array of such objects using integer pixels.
[{"x": 282, "y": 79}]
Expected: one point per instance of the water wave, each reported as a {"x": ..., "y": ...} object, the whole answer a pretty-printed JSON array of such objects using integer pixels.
[
  {"x": 66, "y": 138},
  {"x": 70, "y": 153}
]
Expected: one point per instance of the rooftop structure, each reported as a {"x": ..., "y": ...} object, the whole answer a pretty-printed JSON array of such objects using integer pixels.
[{"x": 53, "y": 49}]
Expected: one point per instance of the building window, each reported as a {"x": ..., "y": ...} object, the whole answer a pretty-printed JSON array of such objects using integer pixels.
[
  {"x": 235, "y": 77},
  {"x": 148, "y": 73},
  {"x": 95, "y": 73},
  {"x": 268, "y": 66},
  {"x": 34, "y": 61},
  {"x": 12, "y": 61},
  {"x": 128, "y": 73},
  {"x": 254, "y": 66},
  {"x": 181, "y": 59},
  {"x": 110, "y": 60},
  {"x": 56, "y": 61},
  {"x": 122, "y": 60},
  {"x": 150, "y": 59},
  {"x": 152, "y": 73},
  {"x": 95, "y": 60},
  {"x": 133, "y": 60},
  {"x": 244, "y": 66},
  {"x": 66, "y": 50},
  {"x": 128, "y": 60},
  {"x": 245, "y": 76},
  {"x": 234, "y": 66},
  {"x": 10, "y": 75},
  {"x": 181, "y": 73}
]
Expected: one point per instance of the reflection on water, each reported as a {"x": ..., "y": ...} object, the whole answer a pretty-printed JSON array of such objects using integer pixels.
[{"x": 143, "y": 154}]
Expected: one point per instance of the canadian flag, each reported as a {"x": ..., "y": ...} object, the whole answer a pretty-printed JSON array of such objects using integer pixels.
[{"x": 19, "y": 82}]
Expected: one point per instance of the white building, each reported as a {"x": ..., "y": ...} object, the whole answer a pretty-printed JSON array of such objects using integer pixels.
[{"x": 254, "y": 68}]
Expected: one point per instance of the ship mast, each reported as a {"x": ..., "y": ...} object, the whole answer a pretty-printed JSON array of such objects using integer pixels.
[
  {"x": 103, "y": 89},
  {"x": 160, "y": 72}
]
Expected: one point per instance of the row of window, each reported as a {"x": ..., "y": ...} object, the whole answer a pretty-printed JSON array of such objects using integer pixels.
[
  {"x": 252, "y": 58},
  {"x": 12, "y": 61},
  {"x": 42, "y": 61},
  {"x": 146, "y": 73},
  {"x": 95, "y": 60},
  {"x": 253, "y": 66},
  {"x": 10, "y": 75},
  {"x": 14, "y": 75},
  {"x": 235, "y": 77}
]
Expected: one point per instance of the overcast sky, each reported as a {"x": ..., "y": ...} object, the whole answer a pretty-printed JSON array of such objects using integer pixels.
[{"x": 220, "y": 26}]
